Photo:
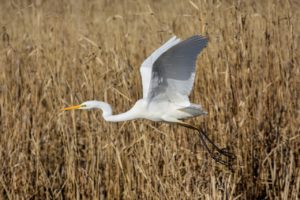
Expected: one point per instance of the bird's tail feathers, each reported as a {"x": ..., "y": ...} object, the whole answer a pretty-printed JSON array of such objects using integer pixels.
[{"x": 194, "y": 110}]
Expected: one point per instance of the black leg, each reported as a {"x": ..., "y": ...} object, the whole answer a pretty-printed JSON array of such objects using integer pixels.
[{"x": 221, "y": 152}]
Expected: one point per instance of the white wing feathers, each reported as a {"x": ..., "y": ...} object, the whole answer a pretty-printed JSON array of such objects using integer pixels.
[
  {"x": 168, "y": 74},
  {"x": 146, "y": 68}
]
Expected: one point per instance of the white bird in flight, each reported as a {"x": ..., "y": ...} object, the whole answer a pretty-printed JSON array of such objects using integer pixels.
[{"x": 167, "y": 76}]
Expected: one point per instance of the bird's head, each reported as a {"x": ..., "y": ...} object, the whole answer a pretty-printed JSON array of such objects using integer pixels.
[{"x": 84, "y": 106}]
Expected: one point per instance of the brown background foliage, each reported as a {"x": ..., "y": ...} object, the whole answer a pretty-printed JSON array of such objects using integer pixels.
[{"x": 58, "y": 53}]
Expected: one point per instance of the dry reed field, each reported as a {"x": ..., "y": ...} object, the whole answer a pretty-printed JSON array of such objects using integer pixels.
[{"x": 59, "y": 53}]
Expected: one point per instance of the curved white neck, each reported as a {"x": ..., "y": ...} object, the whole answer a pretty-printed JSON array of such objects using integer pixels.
[{"x": 107, "y": 112}]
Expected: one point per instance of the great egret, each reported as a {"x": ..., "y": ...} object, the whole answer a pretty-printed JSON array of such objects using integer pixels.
[{"x": 167, "y": 76}]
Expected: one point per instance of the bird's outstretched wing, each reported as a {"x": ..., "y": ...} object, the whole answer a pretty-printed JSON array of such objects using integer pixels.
[
  {"x": 173, "y": 71},
  {"x": 147, "y": 65}
]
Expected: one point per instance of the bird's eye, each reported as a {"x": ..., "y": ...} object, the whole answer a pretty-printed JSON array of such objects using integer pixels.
[{"x": 83, "y": 105}]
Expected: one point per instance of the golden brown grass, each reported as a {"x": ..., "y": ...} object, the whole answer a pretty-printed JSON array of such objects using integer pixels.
[{"x": 58, "y": 53}]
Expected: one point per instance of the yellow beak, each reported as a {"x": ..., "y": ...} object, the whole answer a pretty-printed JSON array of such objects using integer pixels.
[{"x": 72, "y": 107}]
